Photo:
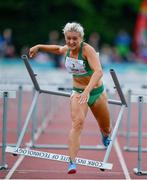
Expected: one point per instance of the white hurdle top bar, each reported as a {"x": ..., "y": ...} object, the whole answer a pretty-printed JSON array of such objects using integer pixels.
[{"x": 57, "y": 157}]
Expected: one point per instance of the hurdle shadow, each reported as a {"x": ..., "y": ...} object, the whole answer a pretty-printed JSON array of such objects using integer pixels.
[{"x": 101, "y": 165}]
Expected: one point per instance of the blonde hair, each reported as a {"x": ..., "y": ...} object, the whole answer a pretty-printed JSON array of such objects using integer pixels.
[{"x": 74, "y": 27}]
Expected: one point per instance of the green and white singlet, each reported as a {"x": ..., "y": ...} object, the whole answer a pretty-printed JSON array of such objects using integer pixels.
[{"x": 78, "y": 67}]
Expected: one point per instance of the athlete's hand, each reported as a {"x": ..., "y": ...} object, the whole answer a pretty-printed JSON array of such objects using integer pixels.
[
  {"x": 33, "y": 51},
  {"x": 83, "y": 97}
]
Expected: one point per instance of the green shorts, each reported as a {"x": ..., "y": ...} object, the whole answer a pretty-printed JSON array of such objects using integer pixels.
[{"x": 94, "y": 94}]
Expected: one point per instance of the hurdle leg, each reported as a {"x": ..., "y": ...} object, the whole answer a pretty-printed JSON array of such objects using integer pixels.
[
  {"x": 140, "y": 108},
  {"x": 138, "y": 170},
  {"x": 115, "y": 130},
  {"x": 133, "y": 98},
  {"x": 128, "y": 133},
  {"x": 34, "y": 121},
  {"x": 19, "y": 111},
  {"x": 4, "y": 133},
  {"x": 36, "y": 95},
  {"x": 44, "y": 109}
]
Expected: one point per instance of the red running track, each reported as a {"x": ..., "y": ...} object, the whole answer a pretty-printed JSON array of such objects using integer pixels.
[{"x": 57, "y": 133}]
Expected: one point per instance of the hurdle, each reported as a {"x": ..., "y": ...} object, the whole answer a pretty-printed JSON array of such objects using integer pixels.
[
  {"x": 18, "y": 89},
  {"x": 138, "y": 170},
  {"x": 132, "y": 98},
  {"x": 5, "y": 95},
  {"x": 32, "y": 153}
]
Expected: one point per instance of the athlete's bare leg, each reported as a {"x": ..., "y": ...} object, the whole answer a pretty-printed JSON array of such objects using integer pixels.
[
  {"x": 78, "y": 114},
  {"x": 100, "y": 111}
]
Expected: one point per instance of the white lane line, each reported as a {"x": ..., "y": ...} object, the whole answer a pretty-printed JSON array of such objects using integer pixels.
[
  {"x": 14, "y": 167},
  {"x": 20, "y": 159},
  {"x": 121, "y": 160}
]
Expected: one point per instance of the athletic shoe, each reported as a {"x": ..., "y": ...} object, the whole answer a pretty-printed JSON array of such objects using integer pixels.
[
  {"x": 106, "y": 140},
  {"x": 71, "y": 168}
]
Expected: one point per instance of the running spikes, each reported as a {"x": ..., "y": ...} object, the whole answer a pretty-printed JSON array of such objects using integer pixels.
[{"x": 71, "y": 168}]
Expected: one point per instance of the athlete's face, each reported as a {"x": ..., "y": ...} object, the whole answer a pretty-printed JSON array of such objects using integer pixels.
[{"x": 73, "y": 40}]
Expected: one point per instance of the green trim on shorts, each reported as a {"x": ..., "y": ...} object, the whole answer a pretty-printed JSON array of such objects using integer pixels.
[{"x": 94, "y": 94}]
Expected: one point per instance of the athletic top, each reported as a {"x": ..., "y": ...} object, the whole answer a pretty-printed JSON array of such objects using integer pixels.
[{"x": 78, "y": 67}]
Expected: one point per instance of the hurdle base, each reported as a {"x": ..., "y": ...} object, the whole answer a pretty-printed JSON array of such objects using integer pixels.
[
  {"x": 4, "y": 167},
  {"x": 1, "y": 145},
  {"x": 139, "y": 173},
  {"x": 132, "y": 134},
  {"x": 133, "y": 149},
  {"x": 64, "y": 146},
  {"x": 57, "y": 157}
]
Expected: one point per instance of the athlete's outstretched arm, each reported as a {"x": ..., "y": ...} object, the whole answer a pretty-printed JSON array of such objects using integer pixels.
[{"x": 56, "y": 49}]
